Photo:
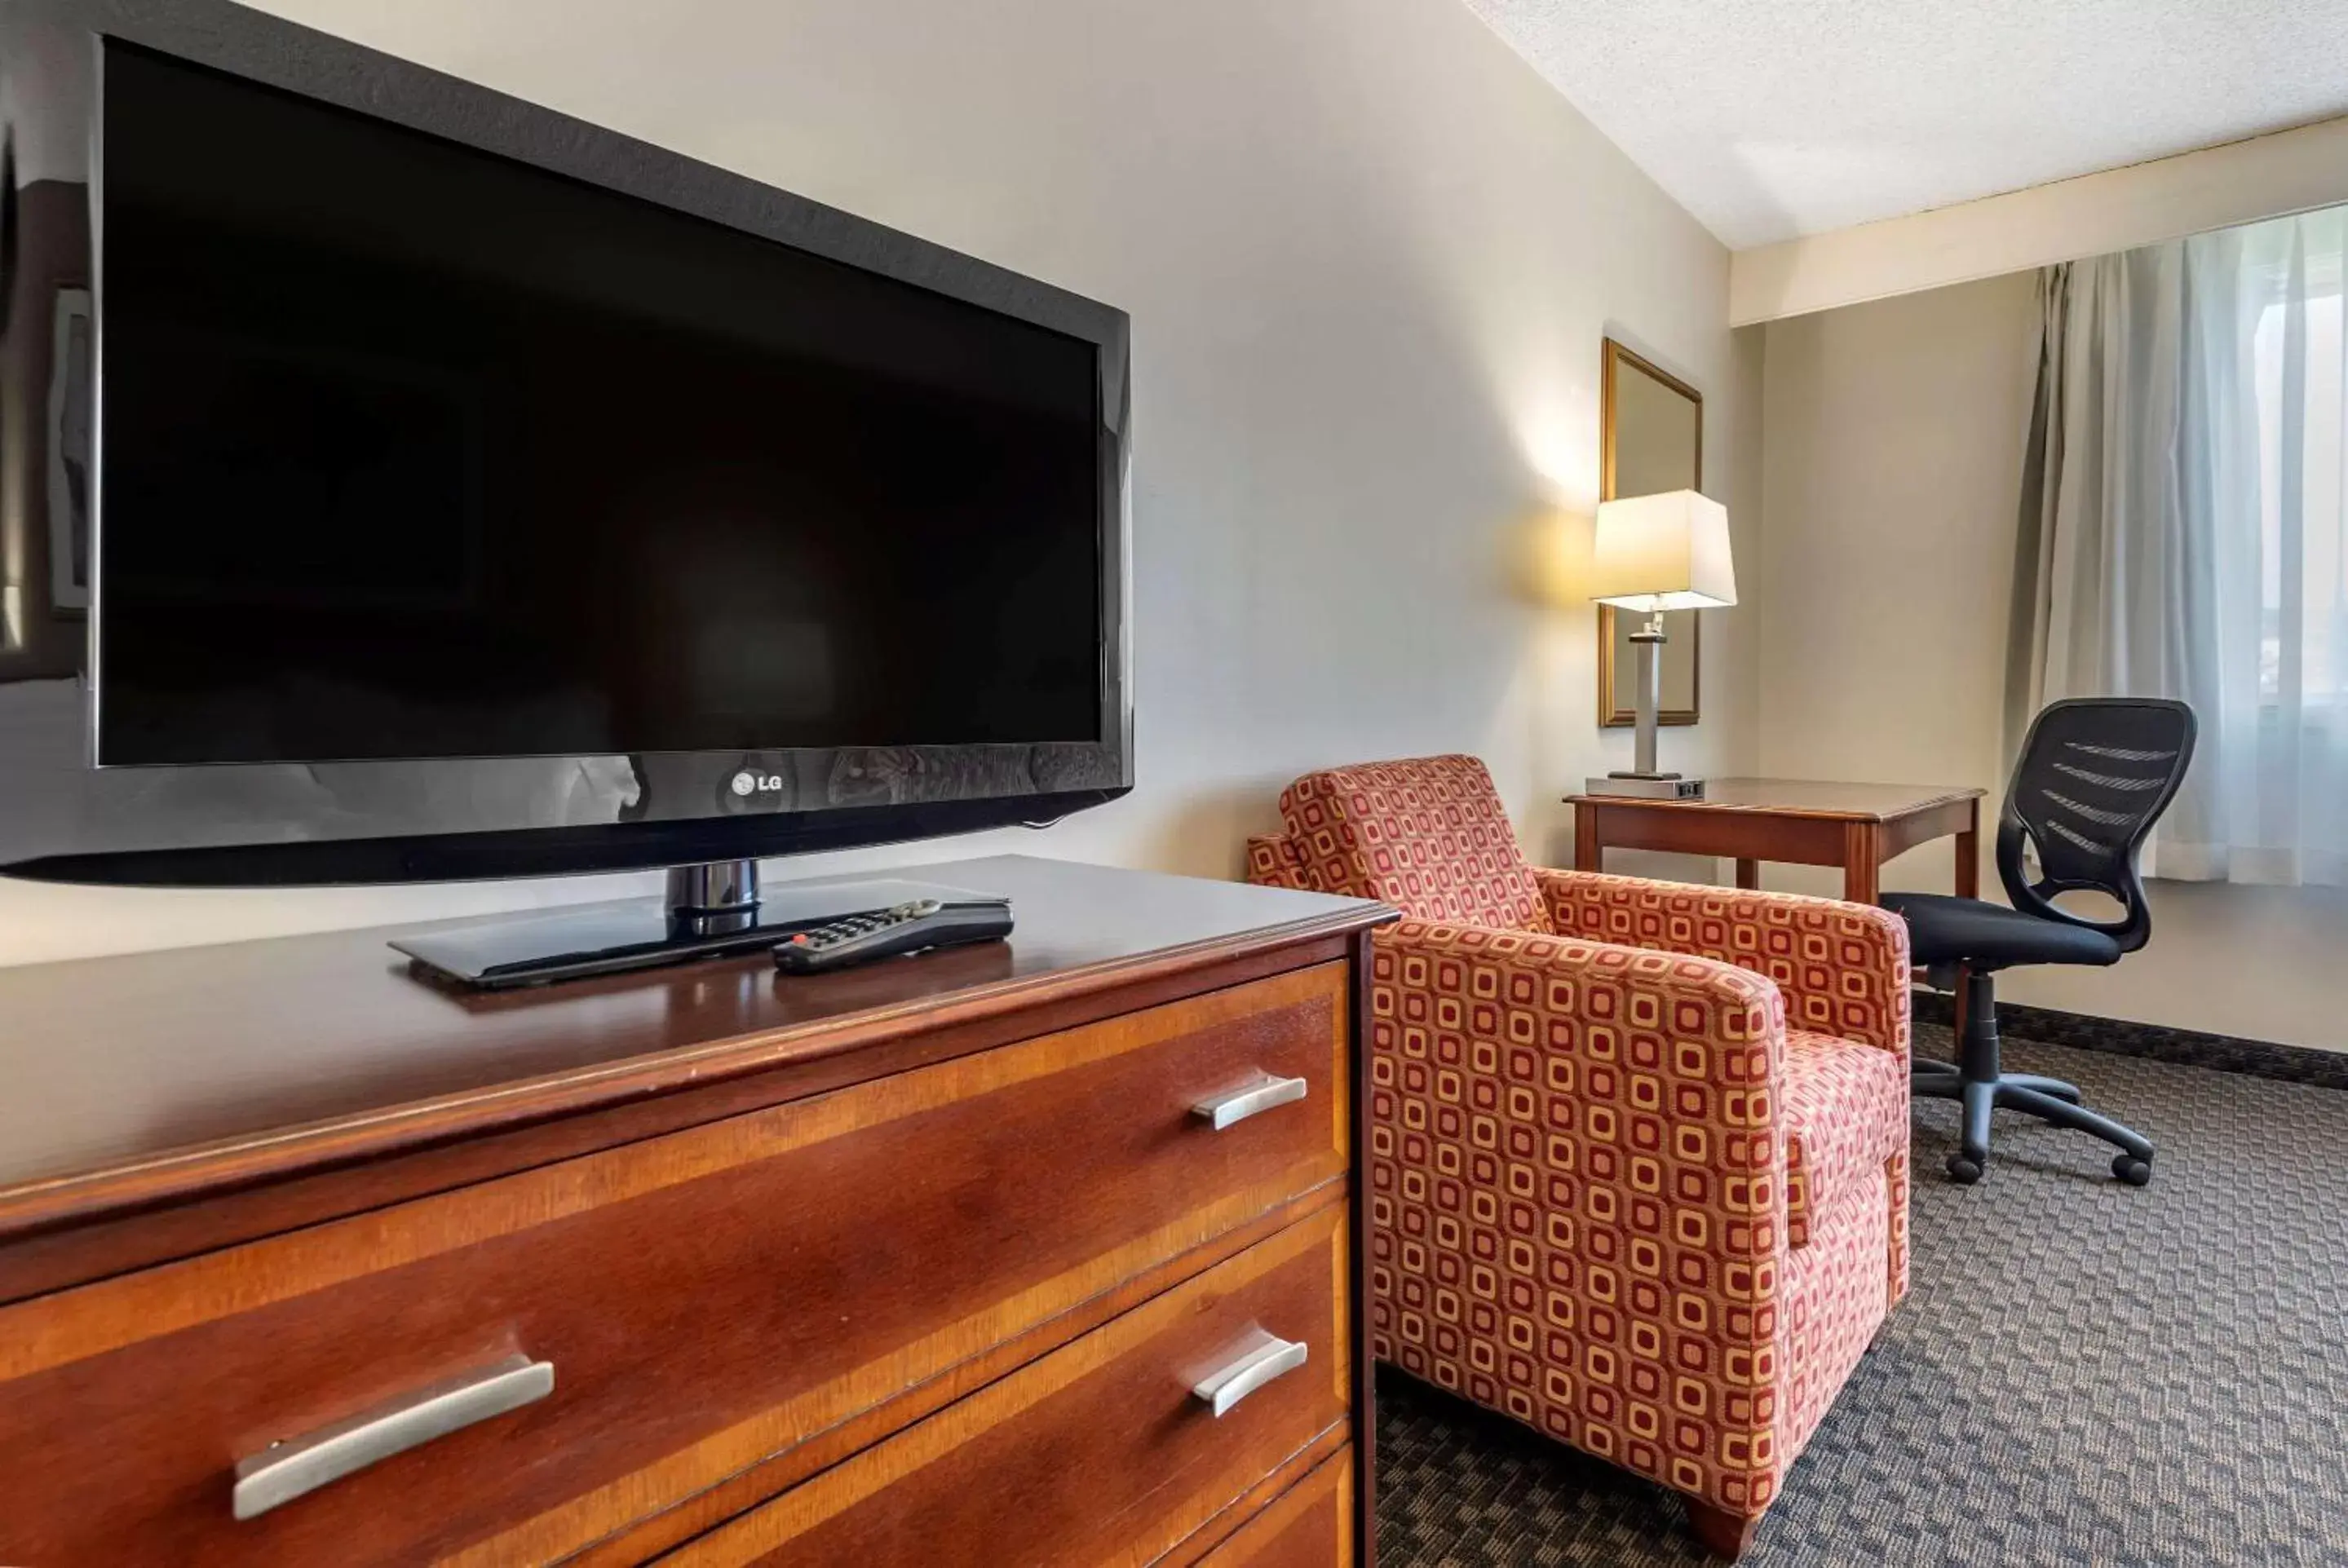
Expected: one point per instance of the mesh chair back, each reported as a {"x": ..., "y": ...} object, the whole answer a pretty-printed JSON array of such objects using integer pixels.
[{"x": 2095, "y": 774}]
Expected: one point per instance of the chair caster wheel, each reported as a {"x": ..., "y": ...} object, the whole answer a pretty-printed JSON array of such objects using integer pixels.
[
  {"x": 1964, "y": 1170},
  {"x": 2136, "y": 1172}
]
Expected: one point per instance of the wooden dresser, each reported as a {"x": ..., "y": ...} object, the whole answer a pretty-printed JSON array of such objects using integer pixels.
[{"x": 946, "y": 1260}]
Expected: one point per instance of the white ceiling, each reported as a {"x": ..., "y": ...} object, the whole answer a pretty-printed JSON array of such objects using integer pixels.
[{"x": 1771, "y": 118}]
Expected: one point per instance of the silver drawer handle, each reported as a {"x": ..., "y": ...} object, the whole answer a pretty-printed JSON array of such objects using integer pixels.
[
  {"x": 1270, "y": 1359},
  {"x": 284, "y": 1471},
  {"x": 1240, "y": 1104}
]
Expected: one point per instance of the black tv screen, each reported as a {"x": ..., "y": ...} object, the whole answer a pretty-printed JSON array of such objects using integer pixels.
[{"x": 412, "y": 451}]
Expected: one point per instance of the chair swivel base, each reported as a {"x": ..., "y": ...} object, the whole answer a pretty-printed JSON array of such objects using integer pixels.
[{"x": 1978, "y": 1085}]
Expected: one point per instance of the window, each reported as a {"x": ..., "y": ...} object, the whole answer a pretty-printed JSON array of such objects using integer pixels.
[{"x": 2303, "y": 567}]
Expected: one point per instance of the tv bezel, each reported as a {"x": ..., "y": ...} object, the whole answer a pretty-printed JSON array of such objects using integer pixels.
[{"x": 443, "y": 829}]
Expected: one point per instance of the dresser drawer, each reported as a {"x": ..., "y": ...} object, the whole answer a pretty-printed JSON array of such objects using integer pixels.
[
  {"x": 1103, "y": 1452},
  {"x": 1310, "y": 1526},
  {"x": 709, "y": 1301}
]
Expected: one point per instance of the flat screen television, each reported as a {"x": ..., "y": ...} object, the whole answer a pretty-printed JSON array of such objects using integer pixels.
[{"x": 421, "y": 484}]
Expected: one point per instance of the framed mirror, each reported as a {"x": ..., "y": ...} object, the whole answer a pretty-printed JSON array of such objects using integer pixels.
[{"x": 1650, "y": 438}]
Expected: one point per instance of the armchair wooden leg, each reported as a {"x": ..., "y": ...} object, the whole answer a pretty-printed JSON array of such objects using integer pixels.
[{"x": 1719, "y": 1532}]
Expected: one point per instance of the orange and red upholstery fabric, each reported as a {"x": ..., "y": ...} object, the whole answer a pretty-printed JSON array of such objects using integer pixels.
[{"x": 1638, "y": 1150}]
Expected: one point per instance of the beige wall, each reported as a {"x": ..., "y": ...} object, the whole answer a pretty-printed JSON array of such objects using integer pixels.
[
  {"x": 1893, "y": 437},
  {"x": 1369, "y": 255},
  {"x": 1891, "y": 466}
]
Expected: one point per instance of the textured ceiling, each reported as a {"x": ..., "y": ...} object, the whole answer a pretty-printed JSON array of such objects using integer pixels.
[{"x": 1769, "y": 119}]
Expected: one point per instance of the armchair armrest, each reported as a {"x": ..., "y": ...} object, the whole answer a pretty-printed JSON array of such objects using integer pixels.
[
  {"x": 1843, "y": 967},
  {"x": 1578, "y": 1204}
]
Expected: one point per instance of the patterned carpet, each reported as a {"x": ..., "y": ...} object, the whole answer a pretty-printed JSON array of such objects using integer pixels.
[{"x": 2085, "y": 1372}]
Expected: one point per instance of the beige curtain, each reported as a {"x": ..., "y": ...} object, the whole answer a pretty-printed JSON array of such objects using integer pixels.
[
  {"x": 2181, "y": 531},
  {"x": 2042, "y": 467}
]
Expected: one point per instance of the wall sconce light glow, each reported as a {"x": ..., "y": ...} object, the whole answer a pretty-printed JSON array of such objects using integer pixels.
[
  {"x": 1553, "y": 558},
  {"x": 1559, "y": 441}
]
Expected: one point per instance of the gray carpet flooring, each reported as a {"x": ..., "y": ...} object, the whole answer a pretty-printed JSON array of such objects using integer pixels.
[{"x": 2084, "y": 1373}]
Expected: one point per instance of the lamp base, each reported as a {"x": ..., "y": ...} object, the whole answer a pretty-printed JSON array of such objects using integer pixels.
[{"x": 1645, "y": 786}]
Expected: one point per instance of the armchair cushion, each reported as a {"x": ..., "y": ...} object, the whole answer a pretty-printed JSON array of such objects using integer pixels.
[
  {"x": 1834, "y": 1295},
  {"x": 1844, "y": 1107}
]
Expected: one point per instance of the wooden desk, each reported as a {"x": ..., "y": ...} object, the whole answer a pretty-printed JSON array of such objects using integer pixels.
[{"x": 1806, "y": 822}]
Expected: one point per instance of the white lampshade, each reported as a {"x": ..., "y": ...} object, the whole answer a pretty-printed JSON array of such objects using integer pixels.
[{"x": 1666, "y": 551}]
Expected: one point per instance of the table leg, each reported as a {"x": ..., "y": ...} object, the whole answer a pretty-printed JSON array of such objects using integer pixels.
[
  {"x": 1862, "y": 861},
  {"x": 1585, "y": 839},
  {"x": 1968, "y": 854},
  {"x": 1748, "y": 874}
]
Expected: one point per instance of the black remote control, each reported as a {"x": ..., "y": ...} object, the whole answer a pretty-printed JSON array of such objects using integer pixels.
[{"x": 888, "y": 933}]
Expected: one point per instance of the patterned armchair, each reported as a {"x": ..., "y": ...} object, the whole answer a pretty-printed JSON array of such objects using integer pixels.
[{"x": 1639, "y": 1149}]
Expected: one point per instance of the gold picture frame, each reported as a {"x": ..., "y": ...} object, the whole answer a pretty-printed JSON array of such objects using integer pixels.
[{"x": 1633, "y": 389}]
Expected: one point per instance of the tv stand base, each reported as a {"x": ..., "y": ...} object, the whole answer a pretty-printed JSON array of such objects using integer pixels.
[{"x": 711, "y": 910}]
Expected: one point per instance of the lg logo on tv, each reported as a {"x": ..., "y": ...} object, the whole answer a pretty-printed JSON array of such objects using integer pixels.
[{"x": 750, "y": 782}]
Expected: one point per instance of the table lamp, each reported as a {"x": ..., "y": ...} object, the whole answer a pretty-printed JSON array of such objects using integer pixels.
[{"x": 1655, "y": 553}]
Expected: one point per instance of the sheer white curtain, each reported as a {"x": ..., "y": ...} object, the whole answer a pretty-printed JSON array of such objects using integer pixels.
[{"x": 2185, "y": 530}]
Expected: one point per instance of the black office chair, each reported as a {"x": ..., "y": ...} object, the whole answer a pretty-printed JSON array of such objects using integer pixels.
[{"x": 2095, "y": 774}]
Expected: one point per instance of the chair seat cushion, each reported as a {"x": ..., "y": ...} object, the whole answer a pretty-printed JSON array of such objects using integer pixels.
[
  {"x": 1844, "y": 1106},
  {"x": 1833, "y": 1294},
  {"x": 1946, "y": 930}
]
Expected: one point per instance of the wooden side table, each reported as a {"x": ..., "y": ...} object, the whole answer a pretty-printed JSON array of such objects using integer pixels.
[{"x": 1805, "y": 821}]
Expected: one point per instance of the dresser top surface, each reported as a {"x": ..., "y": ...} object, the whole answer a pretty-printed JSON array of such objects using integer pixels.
[{"x": 154, "y": 1058}]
